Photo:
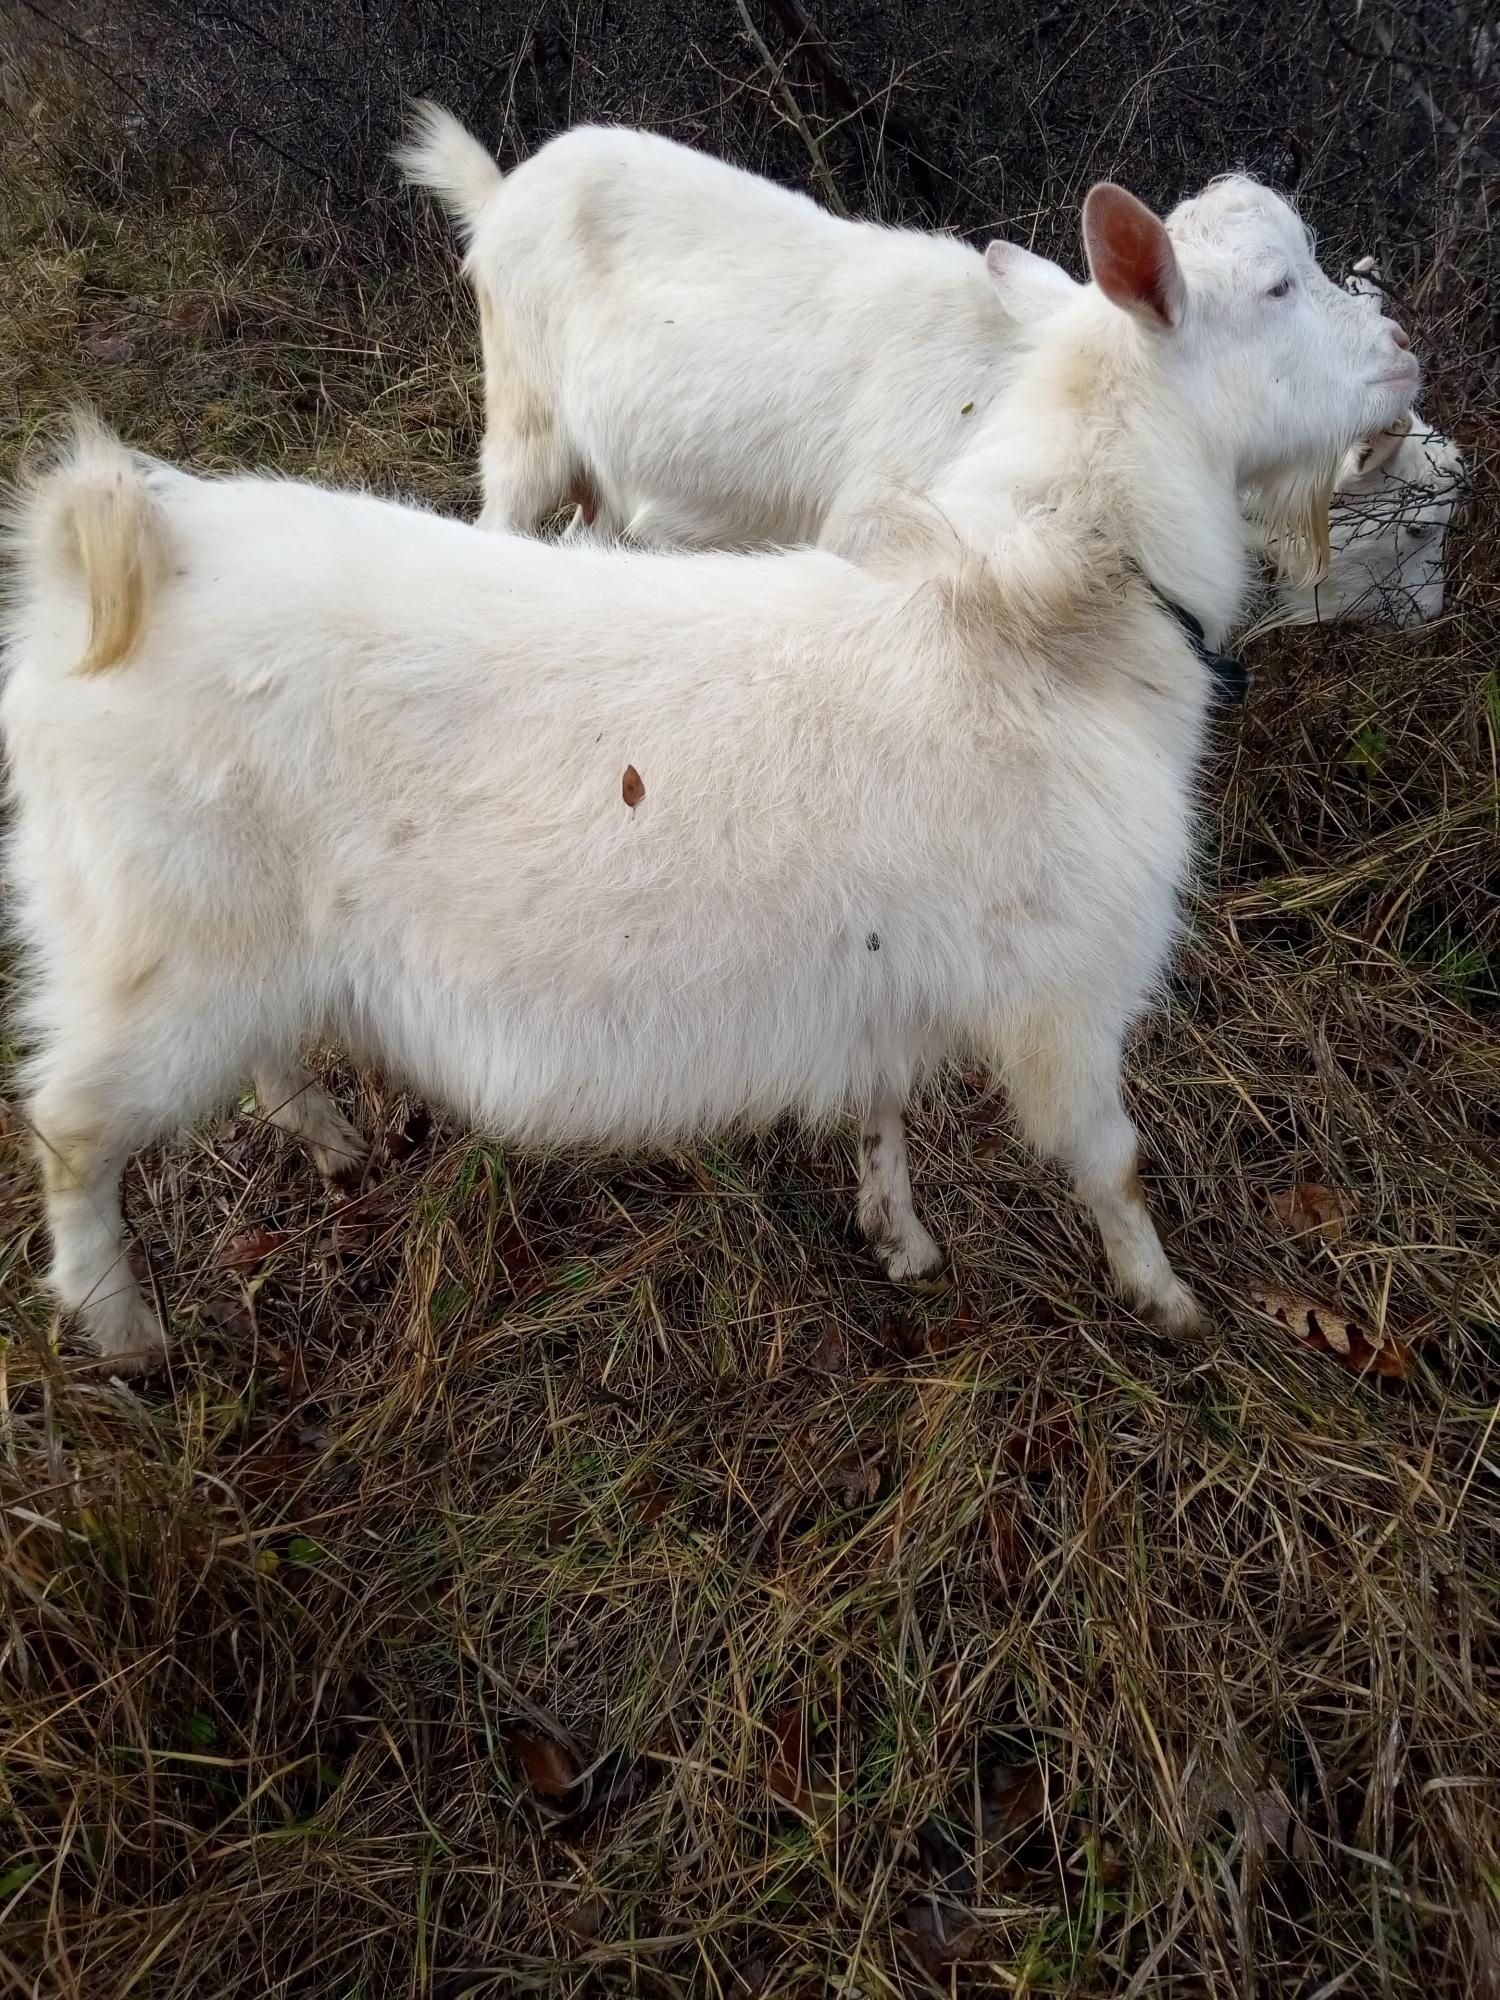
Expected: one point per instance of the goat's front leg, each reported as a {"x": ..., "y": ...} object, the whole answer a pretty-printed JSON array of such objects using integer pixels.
[
  {"x": 1063, "y": 1076},
  {"x": 886, "y": 1214}
]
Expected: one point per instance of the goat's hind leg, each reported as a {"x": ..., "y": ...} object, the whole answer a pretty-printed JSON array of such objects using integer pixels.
[
  {"x": 296, "y": 1103},
  {"x": 886, "y": 1214},
  {"x": 107, "y": 1082},
  {"x": 83, "y": 1144},
  {"x": 525, "y": 464}
]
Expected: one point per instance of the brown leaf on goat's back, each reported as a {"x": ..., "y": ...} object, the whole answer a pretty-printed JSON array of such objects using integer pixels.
[
  {"x": 1308, "y": 1209},
  {"x": 1328, "y": 1331},
  {"x": 632, "y": 790}
]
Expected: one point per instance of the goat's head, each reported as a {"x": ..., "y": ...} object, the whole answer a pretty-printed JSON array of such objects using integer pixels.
[{"x": 1280, "y": 368}]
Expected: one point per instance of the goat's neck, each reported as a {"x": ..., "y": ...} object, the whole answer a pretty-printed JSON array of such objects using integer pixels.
[
  {"x": 1148, "y": 484},
  {"x": 1188, "y": 534}
]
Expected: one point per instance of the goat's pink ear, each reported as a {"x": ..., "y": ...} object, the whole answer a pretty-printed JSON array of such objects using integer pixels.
[
  {"x": 1373, "y": 454},
  {"x": 1030, "y": 287},
  {"x": 1131, "y": 255}
]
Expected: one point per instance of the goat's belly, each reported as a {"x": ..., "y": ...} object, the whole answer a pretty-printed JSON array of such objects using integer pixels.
[
  {"x": 643, "y": 1047},
  {"x": 539, "y": 1065}
]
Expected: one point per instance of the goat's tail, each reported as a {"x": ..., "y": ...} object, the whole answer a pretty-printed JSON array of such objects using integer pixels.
[
  {"x": 440, "y": 154},
  {"x": 94, "y": 523}
]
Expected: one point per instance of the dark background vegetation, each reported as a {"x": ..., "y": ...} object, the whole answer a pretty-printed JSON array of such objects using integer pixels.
[{"x": 531, "y": 1579}]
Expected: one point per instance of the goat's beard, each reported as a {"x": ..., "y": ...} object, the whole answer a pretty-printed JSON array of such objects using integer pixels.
[{"x": 1291, "y": 508}]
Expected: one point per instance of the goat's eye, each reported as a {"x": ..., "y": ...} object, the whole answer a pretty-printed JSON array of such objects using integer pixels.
[
  {"x": 1281, "y": 290},
  {"x": 1421, "y": 533}
]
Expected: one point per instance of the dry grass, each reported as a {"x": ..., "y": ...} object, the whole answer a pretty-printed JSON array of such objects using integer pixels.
[{"x": 985, "y": 1639}]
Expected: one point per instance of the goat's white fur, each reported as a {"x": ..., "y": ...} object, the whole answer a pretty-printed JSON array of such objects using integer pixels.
[
  {"x": 708, "y": 359},
  {"x": 351, "y": 769}
]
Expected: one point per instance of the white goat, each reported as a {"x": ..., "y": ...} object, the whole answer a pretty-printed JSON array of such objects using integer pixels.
[
  {"x": 289, "y": 762},
  {"x": 697, "y": 356}
]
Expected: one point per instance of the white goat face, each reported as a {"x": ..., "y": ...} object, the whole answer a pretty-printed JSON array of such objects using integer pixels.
[
  {"x": 1399, "y": 494},
  {"x": 1290, "y": 365}
]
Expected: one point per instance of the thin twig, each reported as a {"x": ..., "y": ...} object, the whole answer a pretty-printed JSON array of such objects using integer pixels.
[{"x": 826, "y": 183}]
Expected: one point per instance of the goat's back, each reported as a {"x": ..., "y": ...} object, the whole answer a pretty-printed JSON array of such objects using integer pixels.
[
  {"x": 722, "y": 348},
  {"x": 365, "y": 772}
]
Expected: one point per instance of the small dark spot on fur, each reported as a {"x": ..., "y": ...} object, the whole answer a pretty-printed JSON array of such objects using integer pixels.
[{"x": 872, "y": 942}]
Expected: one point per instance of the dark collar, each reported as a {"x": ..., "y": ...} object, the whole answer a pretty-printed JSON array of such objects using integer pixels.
[{"x": 1231, "y": 677}]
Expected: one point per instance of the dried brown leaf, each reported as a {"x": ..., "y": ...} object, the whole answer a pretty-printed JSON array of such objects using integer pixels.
[
  {"x": 829, "y": 1352},
  {"x": 1005, "y": 1541},
  {"x": 587, "y": 1918},
  {"x": 523, "y": 1267},
  {"x": 252, "y": 1249},
  {"x": 349, "y": 1237},
  {"x": 413, "y": 1131},
  {"x": 228, "y": 1316},
  {"x": 293, "y": 1372},
  {"x": 549, "y": 1769},
  {"x": 900, "y": 1337},
  {"x": 652, "y": 1498},
  {"x": 1308, "y": 1209},
  {"x": 1044, "y": 1435},
  {"x": 938, "y": 1938},
  {"x": 632, "y": 790},
  {"x": 1010, "y": 1797},
  {"x": 861, "y": 1478},
  {"x": 562, "y": 1525},
  {"x": 1328, "y": 1331},
  {"x": 265, "y": 1475},
  {"x": 959, "y": 1331},
  {"x": 788, "y": 1727}
]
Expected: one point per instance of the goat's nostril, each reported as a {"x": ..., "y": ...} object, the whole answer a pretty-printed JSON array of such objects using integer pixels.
[{"x": 1400, "y": 336}]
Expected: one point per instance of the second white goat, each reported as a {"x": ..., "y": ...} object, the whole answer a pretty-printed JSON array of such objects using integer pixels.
[{"x": 696, "y": 356}]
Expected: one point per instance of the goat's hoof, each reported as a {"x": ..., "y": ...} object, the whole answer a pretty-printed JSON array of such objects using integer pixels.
[
  {"x": 1177, "y": 1311},
  {"x": 132, "y": 1344},
  {"x": 917, "y": 1261},
  {"x": 342, "y": 1166}
]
